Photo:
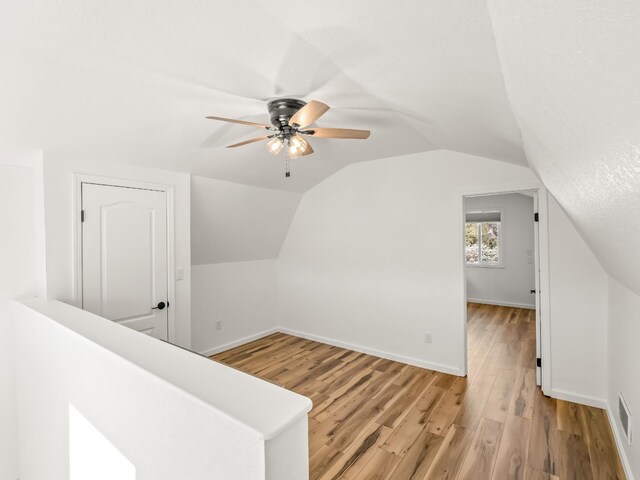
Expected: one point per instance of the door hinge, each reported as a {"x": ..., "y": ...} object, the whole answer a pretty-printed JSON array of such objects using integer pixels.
[
  {"x": 536, "y": 217},
  {"x": 539, "y": 362},
  {"x": 82, "y": 215}
]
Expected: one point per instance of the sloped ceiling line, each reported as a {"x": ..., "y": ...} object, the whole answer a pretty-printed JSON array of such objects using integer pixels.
[{"x": 570, "y": 70}]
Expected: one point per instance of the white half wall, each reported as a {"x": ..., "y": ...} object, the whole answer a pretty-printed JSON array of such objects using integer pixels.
[
  {"x": 624, "y": 366},
  {"x": 511, "y": 283},
  {"x": 374, "y": 260},
  {"x": 17, "y": 279},
  {"x": 240, "y": 295},
  {"x": 578, "y": 311},
  {"x": 161, "y": 410},
  {"x": 59, "y": 220}
]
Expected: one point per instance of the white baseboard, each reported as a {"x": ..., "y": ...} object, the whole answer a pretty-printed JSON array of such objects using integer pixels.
[
  {"x": 371, "y": 351},
  {"x": 577, "y": 398},
  {"x": 620, "y": 442},
  {"x": 237, "y": 343},
  {"x": 501, "y": 304}
]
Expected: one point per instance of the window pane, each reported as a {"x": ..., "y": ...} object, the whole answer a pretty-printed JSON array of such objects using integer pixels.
[
  {"x": 471, "y": 244},
  {"x": 490, "y": 243}
]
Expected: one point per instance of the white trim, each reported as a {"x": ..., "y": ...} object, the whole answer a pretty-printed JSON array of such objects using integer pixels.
[
  {"x": 372, "y": 351},
  {"x": 236, "y": 343},
  {"x": 620, "y": 442},
  {"x": 501, "y": 304},
  {"x": 76, "y": 208},
  {"x": 578, "y": 398}
]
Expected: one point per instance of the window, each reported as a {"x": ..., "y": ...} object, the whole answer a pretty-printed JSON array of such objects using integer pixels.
[{"x": 482, "y": 245}]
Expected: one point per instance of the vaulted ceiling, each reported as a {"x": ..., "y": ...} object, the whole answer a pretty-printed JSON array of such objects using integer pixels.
[{"x": 132, "y": 82}]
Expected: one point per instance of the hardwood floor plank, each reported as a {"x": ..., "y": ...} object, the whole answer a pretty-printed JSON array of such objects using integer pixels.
[
  {"x": 512, "y": 453},
  {"x": 448, "y": 408},
  {"x": 575, "y": 462},
  {"x": 482, "y": 454},
  {"x": 522, "y": 399},
  {"x": 474, "y": 401},
  {"x": 419, "y": 457},
  {"x": 380, "y": 467},
  {"x": 359, "y": 453},
  {"x": 605, "y": 460},
  {"x": 569, "y": 417},
  {"x": 544, "y": 445},
  {"x": 415, "y": 422},
  {"x": 500, "y": 396},
  {"x": 448, "y": 461},
  {"x": 531, "y": 474}
]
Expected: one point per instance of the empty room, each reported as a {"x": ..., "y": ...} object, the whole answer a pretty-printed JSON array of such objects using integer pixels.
[{"x": 252, "y": 241}]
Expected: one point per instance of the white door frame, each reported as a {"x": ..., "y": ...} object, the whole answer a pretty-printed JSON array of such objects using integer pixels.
[
  {"x": 78, "y": 180},
  {"x": 543, "y": 329}
]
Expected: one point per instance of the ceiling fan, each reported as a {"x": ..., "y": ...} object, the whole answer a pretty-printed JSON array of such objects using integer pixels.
[{"x": 290, "y": 121}]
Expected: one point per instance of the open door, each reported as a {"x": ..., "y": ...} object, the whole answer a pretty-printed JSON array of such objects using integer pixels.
[{"x": 536, "y": 292}]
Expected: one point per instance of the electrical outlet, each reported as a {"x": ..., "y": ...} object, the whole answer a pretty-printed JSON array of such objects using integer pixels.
[
  {"x": 428, "y": 338},
  {"x": 219, "y": 325}
]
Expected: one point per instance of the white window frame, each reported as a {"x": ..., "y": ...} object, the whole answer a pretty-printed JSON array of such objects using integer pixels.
[{"x": 499, "y": 264}]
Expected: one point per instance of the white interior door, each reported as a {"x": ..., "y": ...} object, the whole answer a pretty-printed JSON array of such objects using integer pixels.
[{"x": 124, "y": 256}]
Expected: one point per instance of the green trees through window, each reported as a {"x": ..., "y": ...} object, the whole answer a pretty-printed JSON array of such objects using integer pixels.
[{"x": 482, "y": 245}]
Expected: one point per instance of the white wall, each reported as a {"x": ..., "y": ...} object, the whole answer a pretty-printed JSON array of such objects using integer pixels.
[
  {"x": 624, "y": 364},
  {"x": 231, "y": 222},
  {"x": 512, "y": 283},
  {"x": 170, "y": 413},
  {"x": 373, "y": 258},
  {"x": 241, "y": 295},
  {"x": 578, "y": 310},
  {"x": 59, "y": 218},
  {"x": 237, "y": 233},
  {"x": 18, "y": 277}
]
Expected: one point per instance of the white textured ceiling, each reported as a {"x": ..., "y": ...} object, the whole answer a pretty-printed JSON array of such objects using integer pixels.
[
  {"x": 132, "y": 81},
  {"x": 572, "y": 71}
]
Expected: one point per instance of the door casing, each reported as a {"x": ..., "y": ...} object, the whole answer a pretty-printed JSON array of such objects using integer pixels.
[
  {"x": 78, "y": 180},
  {"x": 543, "y": 323}
]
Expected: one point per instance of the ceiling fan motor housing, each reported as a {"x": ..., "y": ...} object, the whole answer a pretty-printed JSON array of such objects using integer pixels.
[{"x": 282, "y": 109}]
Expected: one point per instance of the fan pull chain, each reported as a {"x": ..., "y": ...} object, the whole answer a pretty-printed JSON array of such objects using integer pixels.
[{"x": 287, "y": 173}]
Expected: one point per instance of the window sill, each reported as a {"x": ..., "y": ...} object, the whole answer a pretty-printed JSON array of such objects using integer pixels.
[{"x": 483, "y": 265}]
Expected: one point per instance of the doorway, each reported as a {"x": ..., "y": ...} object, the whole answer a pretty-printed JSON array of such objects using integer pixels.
[
  {"x": 502, "y": 278},
  {"x": 124, "y": 256}
]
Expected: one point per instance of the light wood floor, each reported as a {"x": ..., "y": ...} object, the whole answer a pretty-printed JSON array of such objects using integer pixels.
[{"x": 379, "y": 419}]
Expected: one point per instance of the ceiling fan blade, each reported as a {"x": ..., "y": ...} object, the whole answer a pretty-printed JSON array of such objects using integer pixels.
[
  {"x": 308, "y": 150},
  {"x": 246, "y": 142},
  {"x": 309, "y": 113},
  {"x": 338, "y": 133},
  {"x": 241, "y": 122}
]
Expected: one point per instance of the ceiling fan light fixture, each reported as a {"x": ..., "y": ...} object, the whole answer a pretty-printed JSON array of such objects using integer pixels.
[
  {"x": 299, "y": 143},
  {"x": 293, "y": 151},
  {"x": 290, "y": 118},
  {"x": 275, "y": 145}
]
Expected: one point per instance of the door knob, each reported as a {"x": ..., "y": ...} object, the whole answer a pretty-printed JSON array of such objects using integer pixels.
[{"x": 160, "y": 306}]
